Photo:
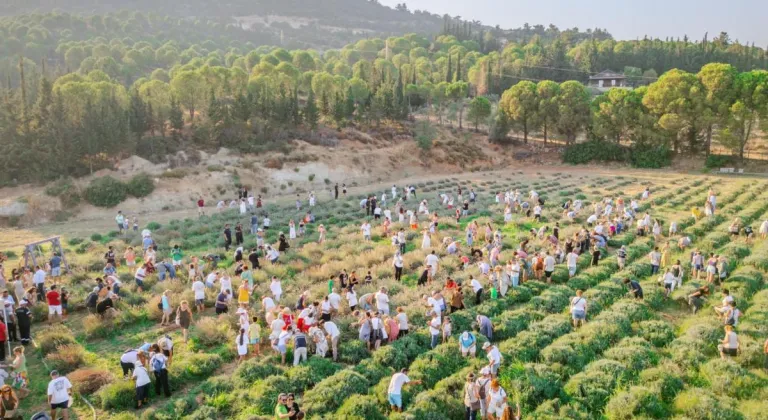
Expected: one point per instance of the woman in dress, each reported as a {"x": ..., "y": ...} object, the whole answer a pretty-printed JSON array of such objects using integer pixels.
[
  {"x": 321, "y": 230},
  {"x": 241, "y": 341},
  {"x": 20, "y": 374},
  {"x": 507, "y": 214},
  {"x": 666, "y": 255},
  {"x": 426, "y": 241},
  {"x": 292, "y": 229},
  {"x": 184, "y": 318}
]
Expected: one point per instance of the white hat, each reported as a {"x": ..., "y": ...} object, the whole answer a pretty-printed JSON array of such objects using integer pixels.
[
  {"x": 486, "y": 345},
  {"x": 485, "y": 371}
]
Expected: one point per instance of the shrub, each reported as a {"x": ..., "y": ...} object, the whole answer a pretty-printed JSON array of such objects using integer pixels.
[
  {"x": 314, "y": 370},
  {"x": 217, "y": 385},
  {"x": 727, "y": 377},
  {"x": 352, "y": 352},
  {"x": 215, "y": 168},
  {"x": 754, "y": 410},
  {"x": 266, "y": 392},
  {"x": 96, "y": 237},
  {"x": 141, "y": 185},
  {"x": 87, "y": 381},
  {"x": 105, "y": 192},
  {"x": 153, "y": 226},
  {"x": 718, "y": 161},
  {"x": 119, "y": 395},
  {"x": 373, "y": 371},
  {"x": 650, "y": 157},
  {"x": 331, "y": 392},
  {"x": 50, "y": 339},
  {"x": 66, "y": 358},
  {"x": 600, "y": 151},
  {"x": 658, "y": 333},
  {"x": 637, "y": 401},
  {"x": 311, "y": 177},
  {"x": 667, "y": 378},
  {"x": 253, "y": 370},
  {"x": 534, "y": 382},
  {"x": 361, "y": 407},
  {"x": 699, "y": 403}
]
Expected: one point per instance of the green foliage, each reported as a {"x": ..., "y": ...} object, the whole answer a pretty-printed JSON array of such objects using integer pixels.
[
  {"x": 650, "y": 157},
  {"x": 106, "y": 192},
  {"x": 141, "y": 185},
  {"x": 425, "y": 134},
  {"x": 594, "y": 151},
  {"x": 119, "y": 395},
  {"x": 331, "y": 392},
  {"x": 718, "y": 161},
  {"x": 637, "y": 401},
  {"x": 361, "y": 408},
  {"x": 698, "y": 403}
]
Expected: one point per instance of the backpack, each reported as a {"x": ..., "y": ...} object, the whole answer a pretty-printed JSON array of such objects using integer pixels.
[
  {"x": 157, "y": 364},
  {"x": 482, "y": 391}
]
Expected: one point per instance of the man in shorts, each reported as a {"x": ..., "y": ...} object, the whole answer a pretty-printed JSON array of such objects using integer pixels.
[
  {"x": 54, "y": 303},
  {"x": 549, "y": 267},
  {"x": 59, "y": 394},
  {"x": 394, "y": 392},
  {"x": 55, "y": 266},
  {"x": 468, "y": 344},
  {"x": 494, "y": 358}
]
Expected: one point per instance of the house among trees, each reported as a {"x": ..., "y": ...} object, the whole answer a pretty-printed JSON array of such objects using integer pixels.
[{"x": 607, "y": 79}]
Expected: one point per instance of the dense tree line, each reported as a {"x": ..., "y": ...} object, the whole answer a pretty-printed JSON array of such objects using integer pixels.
[{"x": 680, "y": 111}]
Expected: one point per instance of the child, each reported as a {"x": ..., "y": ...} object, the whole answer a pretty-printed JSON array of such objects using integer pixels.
[
  {"x": 135, "y": 224},
  {"x": 446, "y": 328},
  {"x": 368, "y": 278}
]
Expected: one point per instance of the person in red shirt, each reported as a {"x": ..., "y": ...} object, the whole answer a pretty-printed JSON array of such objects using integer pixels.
[
  {"x": 201, "y": 207},
  {"x": 450, "y": 284},
  {"x": 54, "y": 304},
  {"x": 3, "y": 339}
]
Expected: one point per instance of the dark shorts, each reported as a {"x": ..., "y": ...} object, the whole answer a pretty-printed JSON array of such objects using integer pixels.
[
  {"x": 63, "y": 405},
  {"x": 668, "y": 286},
  {"x": 730, "y": 351},
  {"x": 142, "y": 392},
  {"x": 199, "y": 302},
  {"x": 548, "y": 274}
]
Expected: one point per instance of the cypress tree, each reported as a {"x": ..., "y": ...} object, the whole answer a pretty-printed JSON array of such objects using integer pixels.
[
  {"x": 449, "y": 74},
  {"x": 311, "y": 115}
]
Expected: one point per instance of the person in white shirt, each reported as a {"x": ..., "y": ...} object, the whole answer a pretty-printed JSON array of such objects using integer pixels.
[
  {"x": 225, "y": 283},
  {"x": 395, "y": 389},
  {"x": 402, "y": 320},
  {"x": 591, "y": 220},
  {"x": 727, "y": 299},
  {"x": 59, "y": 393},
  {"x": 669, "y": 282},
  {"x": 578, "y": 309},
  {"x": 432, "y": 261},
  {"x": 276, "y": 287},
  {"x": 494, "y": 358},
  {"x": 366, "y": 229},
  {"x": 241, "y": 342},
  {"x": 477, "y": 289},
  {"x": 39, "y": 281},
  {"x": 394, "y": 192},
  {"x": 141, "y": 378},
  {"x": 434, "y": 328},
  {"x": 351, "y": 299},
  {"x": 335, "y": 300},
  {"x": 333, "y": 336},
  {"x": 199, "y": 288},
  {"x": 281, "y": 343},
  {"x": 571, "y": 260},
  {"x": 730, "y": 344},
  {"x": 267, "y": 304},
  {"x": 382, "y": 301},
  {"x": 549, "y": 267}
]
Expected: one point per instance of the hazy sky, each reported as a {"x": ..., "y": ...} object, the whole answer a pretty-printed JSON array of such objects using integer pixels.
[{"x": 745, "y": 20}]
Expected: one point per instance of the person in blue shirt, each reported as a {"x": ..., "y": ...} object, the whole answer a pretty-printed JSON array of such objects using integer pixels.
[
  {"x": 55, "y": 266},
  {"x": 109, "y": 269},
  {"x": 634, "y": 288},
  {"x": 146, "y": 242}
]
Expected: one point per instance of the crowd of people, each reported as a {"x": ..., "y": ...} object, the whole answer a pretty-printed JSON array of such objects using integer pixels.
[{"x": 308, "y": 326}]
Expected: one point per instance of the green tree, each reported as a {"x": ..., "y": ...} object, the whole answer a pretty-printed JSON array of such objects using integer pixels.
[
  {"x": 749, "y": 108},
  {"x": 574, "y": 110},
  {"x": 175, "y": 115},
  {"x": 547, "y": 96},
  {"x": 190, "y": 89},
  {"x": 520, "y": 105},
  {"x": 719, "y": 80},
  {"x": 457, "y": 92},
  {"x": 479, "y": 110},
  {"x": 311, "y": 113}
]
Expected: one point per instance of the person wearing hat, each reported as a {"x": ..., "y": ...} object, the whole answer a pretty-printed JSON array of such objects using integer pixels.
[
  {"x": 141, "y": 378},
  {"x": 468, "y": 344},
  {"x": 494, "y": 357},
  {"x": 395, "y": 389},
  {"x": 59, "y": 392},
  {"x": 483, "y": 384},
  {"x": 471, "y": 397}
]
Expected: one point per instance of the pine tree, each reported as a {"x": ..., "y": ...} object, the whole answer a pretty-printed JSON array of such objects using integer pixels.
[
  {"x": 137, "y": 115},
  {"x": 449, "y": 74},
  {"x": 458, "y": 67},
  {"x": 295, "y": 111},
  {"x": 176, "y": 116},
  {"x": 349, "y": 105},
  {"x": 488, "y": 78},
  {"x": 241, "y": 109},
  {"x": 339, "y": 110},
  {"x": 325, "y": 105},
  {"x": 311, "y": 114}
]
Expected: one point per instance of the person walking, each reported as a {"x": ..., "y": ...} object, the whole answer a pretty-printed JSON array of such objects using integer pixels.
[
  {"x": 159, "y": 365},
  {"x": 471, "y": 397},
  {"x": 184, "y": 318},
  {"x": 395, "y": 389},
  {"x": 59, "y": 394},
  {"x": 241, "y": 342}
]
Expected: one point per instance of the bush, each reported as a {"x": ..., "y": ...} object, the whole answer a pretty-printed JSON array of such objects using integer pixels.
[
  {"x": 105, "y": 192},
  {"x": 373, "y": 371},
  {"x": 217, "y": 385},
  {"x": 600, "y": 151},
  {"x": 50, "y": 339},
  {"x": 352, "y": 352},
  {"x": 718, "y": 161},
  {"x": 535, "y": 383},
  {"x": 667, "y": 378},
  {"x": 331, "y": 392},
  {"x": 141, "y": 185},
  {"x": 253, "y": 370},
  {"x": 699, "y": 403},
  {"x": 650, "y": 157},
  {"x": 727, "y": 377},
  {"x": 658, "y": 333},
  {"x": 88, "y": 381},
  {"x": 119, "y": 395},
  {"x": 311, "y": 177},
  {"x": 66, "y": 358},
  {"x": 360, "y": 408},
  {"x": 314, "y": 370},
  {"x": 267, "y": 391},
  {"x": 637, "y": 401}
]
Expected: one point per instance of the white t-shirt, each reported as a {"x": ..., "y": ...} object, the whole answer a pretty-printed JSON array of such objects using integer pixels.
[
  {"x": 669, "y": 278},
  {"x": 39, "y": 277},
  {"x": 366, "y": 228},
  {"x": 579, "y": 303},
  {"x": 242, "y": 349},
  {"x": 732, "y": 341},
  {"x": 476, "y": 286},
  {"x": 141, "y": 375},
  {"x": 277, "y": 325},
  {"x": 325, "y": 307},
  {"x": 726, "y": 300},
  {"x": 334, "y": 298},
  {"x": 352, "y": 298},
  {"x": 549, "y": 263},
  {"x": 268, "y": 304},
  {"x": 434, "y": 326},
  {"x": 58, "y": 389},
  {"x": 436, "y": 306},
  {"x": 592, "y": 219},
  {"x": 276, "y": 288},
  {"x": 377, "y": 210},
  {"x": 226, "y": 284},
  {"x": 655, "y": 258},
  {"x": 331, "y": 329},
  {"x": 432, "y": 260},
  {"x": 494, "y": 355},
  {"x": 396, "y": 384},
  {"x": 129, "y": 357},
  {"x": 283, "y": 338},
  {"x": 382, "y": 301},
  {"x": 398, "y": 261},
  {"x": 199, "y": 288},
  {"x": 572, "y": 258},
  {"x": 402, "y": 319}
]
